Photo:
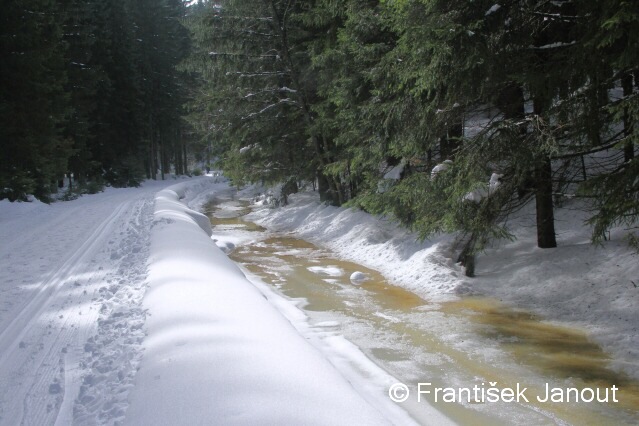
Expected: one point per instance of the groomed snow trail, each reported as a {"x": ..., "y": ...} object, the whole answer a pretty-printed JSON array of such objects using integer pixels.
[{"x": 74, "y": 274}]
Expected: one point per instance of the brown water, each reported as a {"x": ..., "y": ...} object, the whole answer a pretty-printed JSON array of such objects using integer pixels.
[{"x": 455, "y": 344}]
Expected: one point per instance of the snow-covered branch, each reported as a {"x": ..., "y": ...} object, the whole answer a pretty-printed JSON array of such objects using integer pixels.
[
  {"x": 553, "y": 45},
  {"x": 273, "y": 90},
  {"x": 257, "y": 74},
  {"x": 281, "y": 101}
]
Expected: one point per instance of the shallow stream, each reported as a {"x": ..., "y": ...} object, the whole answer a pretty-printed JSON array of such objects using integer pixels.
[{"x": 459, "y": 344}]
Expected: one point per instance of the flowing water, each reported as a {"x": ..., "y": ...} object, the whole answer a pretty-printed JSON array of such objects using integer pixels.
[{"x": 459, "y": 344}]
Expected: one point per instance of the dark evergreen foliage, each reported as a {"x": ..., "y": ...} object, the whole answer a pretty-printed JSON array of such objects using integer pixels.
[
  {"x": 90, "y": 90},
  {"x": 33, "y": 103},
  {"x": 539, "y": 97}
]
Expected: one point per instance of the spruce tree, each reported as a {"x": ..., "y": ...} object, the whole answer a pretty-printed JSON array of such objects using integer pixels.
[{"x": 258, "y": 96}]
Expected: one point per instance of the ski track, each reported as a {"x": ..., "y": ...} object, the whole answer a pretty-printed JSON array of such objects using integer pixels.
[{"x": 71, "y": 323}]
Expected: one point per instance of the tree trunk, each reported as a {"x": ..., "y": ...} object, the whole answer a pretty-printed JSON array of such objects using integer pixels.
[
  {"x": 511, "y": 102},
  {"x": 326, "y": 191},
  {"x": 543, "y": 195},
  {"x": 544, "y": 202},
  {"x": 161, "y": 149},
  {"x": 467, "y": 256},
  {"x": 179, "y": 159},
  {"x": 153, "y": 157},
  {"x": 186, "y": 162},
  {"x": 450, "y": 143},
  {"x": 629, "y": 147}
]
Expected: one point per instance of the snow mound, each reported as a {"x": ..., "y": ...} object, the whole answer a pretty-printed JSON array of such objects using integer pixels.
[
  {"x": 217, "y": 352},
  {"x": 358, "y": 277},
  {"x": 423, "y": 267}
]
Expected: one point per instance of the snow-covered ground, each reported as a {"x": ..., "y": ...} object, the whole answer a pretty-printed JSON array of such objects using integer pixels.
[
  {"x": 587, "y": 286},
  {"x": 118, "y": 308},
  {"x": 73, "y": 276},
  {"x": 217, "y": 351}
]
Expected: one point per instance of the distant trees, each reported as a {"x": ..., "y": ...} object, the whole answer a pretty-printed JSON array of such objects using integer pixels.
[{"x": 89, "y": 89}]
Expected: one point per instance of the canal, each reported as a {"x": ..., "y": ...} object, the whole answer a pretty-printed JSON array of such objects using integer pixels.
[{"x": 458, "y": 344}]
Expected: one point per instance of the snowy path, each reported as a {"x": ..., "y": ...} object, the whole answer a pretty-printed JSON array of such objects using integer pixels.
[{"x": 70, "y": 319}]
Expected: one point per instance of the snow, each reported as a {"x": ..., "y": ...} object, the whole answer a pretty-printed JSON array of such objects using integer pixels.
[
  {"x": 440, "y": 168},
  {"x": 226, "y": 246},
  {"x": 358, "y": 277},
  {"x": 246, "y": 148},
  {"x": 371, "y": 380},
  {"x": 218, "y": 350},
  {"x": 118, "y": 308},
  {"x": 331, "y": 271},
  {"x": 423, "y": 267},
  {"x": 590, "y": 287},
  {"x": 480, "y": 193},
  {"x": 287, "y": 89},
  {"x": 74, "y": 274},
  {"x": 395, "y": 172},
  {"x": 577, "y": 284},
  {"x": 554, "y": 45},
  {"x": 494, "y": 8}
]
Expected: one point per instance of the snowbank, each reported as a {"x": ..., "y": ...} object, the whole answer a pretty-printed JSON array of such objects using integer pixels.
[
  {"x": 423, "y": 267},
  {"x": 217, "y": 352},
  {"x": 587, "y": 286}
]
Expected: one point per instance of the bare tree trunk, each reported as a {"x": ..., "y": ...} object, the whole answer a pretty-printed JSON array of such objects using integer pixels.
[
  {"x": 325, "y": 189},
  {"x": 450, "y": 143},
  {"x": 161, "y": 149},
  {"x": 179, "y": 160},
  {"x": 467, "y": 256},
  {"x": 186, "y": 167}
]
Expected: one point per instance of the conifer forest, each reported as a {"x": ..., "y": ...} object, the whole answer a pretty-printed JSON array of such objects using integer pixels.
[{"x": 447, "y": 116}]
